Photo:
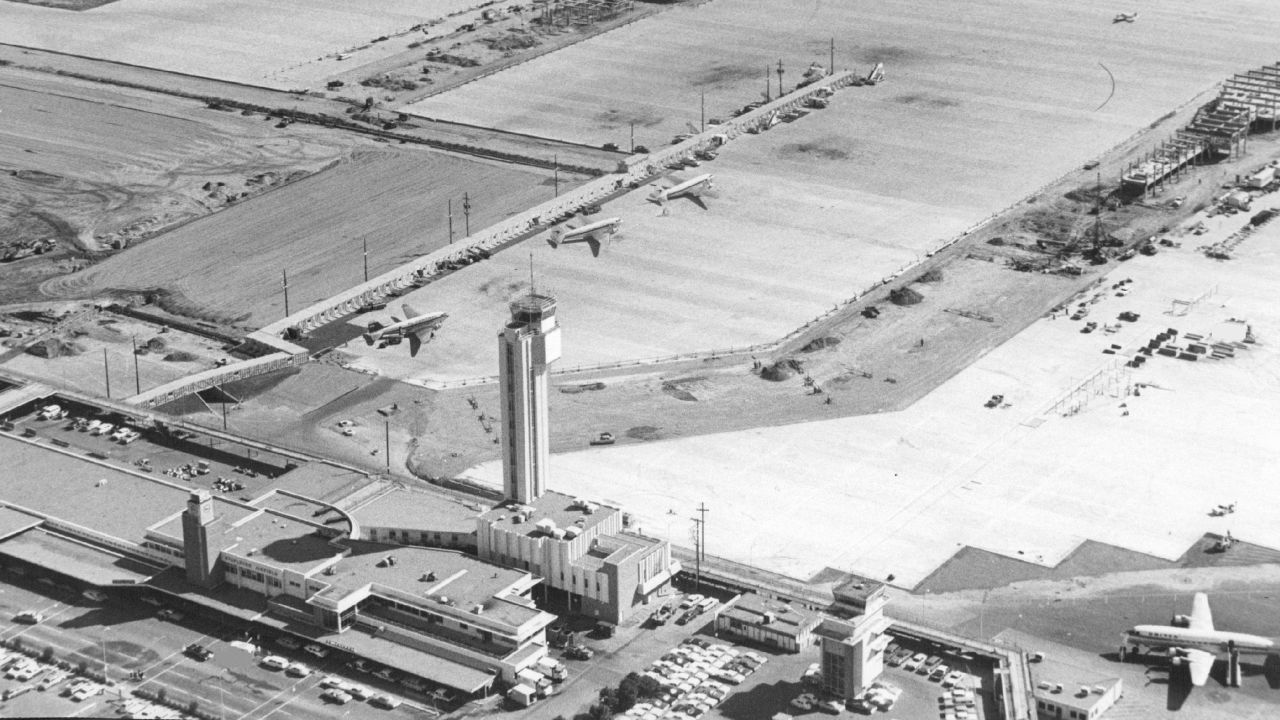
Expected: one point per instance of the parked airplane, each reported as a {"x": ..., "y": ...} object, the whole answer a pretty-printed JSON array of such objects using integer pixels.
[
  {"x": 414, "y": 327},
  {"x": 1125, "y": 17},
  {"x": 590, "y": 233},
  {"x": 692, "y": 189},
  {"x": 1192, "y": 641}
]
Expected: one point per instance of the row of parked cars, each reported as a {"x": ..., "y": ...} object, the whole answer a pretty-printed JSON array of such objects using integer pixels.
[
  {"x": 689, "y": 608},
  {"x": 695, "y": 677},
  {"x": 26, "y": 670},
  {"x": 931, "y": 666}
]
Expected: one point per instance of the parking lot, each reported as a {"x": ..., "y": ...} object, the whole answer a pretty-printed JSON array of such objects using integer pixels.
[
  {"x": 209, "y": 463},
  {"x": 126, "y": 636}
]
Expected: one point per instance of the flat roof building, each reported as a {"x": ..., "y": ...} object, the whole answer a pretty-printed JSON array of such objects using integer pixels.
[
  {"x": 440, "y": 614},
  {"x": 767, "y": 621},
  {"x": 1068, "y": 692},
  {"x": 578, "y": 547}
]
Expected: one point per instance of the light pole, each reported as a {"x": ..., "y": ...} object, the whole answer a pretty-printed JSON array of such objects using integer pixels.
[
  {"x": 284, "y": 282},
  {"x": 450, "y": 221},
  {"x": 466, "y": 211},
  {"x": 780, "y": 93}
]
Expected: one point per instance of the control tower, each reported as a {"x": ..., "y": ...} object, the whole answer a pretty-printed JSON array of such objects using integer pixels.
[{"x": 526, "y": 346}]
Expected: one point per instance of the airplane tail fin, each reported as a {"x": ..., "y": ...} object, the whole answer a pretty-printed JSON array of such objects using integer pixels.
[
  {"x": 415, "y": 344},
  {"x": 595, "y": 246},
  {"x": 408, "y": 311}
]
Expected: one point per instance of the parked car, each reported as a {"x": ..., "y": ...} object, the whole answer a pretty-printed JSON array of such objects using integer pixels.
[
  {"x": 289, "y": 642},
  {"x": 835, "y": 707},
  {"x": 358, "y": 692},
  {"x": 335, "y": 696},
  {"x": 274, "y": 662},
  {"x": 29, "y": 617},
  {"x": 331, "y": 681},
  {"x": 952, "y": 678},
  {"x": 170, "y": 614},
  {"x": 939, "y": 672},
  {"x": 914, "y": 663},
  {"x": 389, "y": 702},
  {"x": 198, "y": 652},
  {"x": 805, "y": 701},
  {"x": 318, "y": 650},
  {"x": 579, "y": 652},
  {"x": 297, "y": 669},
  {"x": 387, "y": 674}
]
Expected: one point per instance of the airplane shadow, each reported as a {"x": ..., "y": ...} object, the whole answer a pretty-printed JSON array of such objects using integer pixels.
[
  {"x": 1179, "y": 689},
  {"x": 1271, "y": 671}
]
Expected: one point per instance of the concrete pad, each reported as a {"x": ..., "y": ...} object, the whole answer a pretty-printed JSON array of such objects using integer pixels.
[{"x": 901, "y": 492}]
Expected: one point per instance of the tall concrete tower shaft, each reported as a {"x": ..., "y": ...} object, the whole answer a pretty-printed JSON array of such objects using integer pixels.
[{"x": 526, "y": 346}]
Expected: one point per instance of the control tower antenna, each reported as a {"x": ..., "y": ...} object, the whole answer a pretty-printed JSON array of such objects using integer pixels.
[{"x": 533, "y": 289}]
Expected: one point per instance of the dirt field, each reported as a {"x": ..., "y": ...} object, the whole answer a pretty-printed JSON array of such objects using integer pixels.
[
  {"x": 80, "y": 350},
  {"x": 87, "y": 166},
  {"x": 974, "y": 80},
  {"x": 275, "y": 44},
  {"x": 227, "y": 267}
]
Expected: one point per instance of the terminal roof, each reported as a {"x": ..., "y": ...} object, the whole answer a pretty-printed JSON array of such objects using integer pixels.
[
  {"x": 418, "y": 510},
  {"x": 563, "y": 510}
]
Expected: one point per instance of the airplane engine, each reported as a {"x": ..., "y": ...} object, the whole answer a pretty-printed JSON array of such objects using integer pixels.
[{"x": 1180, "y": 621}]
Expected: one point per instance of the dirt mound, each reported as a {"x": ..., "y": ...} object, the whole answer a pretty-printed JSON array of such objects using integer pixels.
[
  {"x": 780, "y": 370},
  {"x": 905, "y": 296},
  {"x": 678, "y": 392},
  {"x": 932, "y": 276},
  {"x": 180, "y": 356},
  {"x": 820, "y": 344},
  {"x": 55, "y": 347},
  {"x": 645, "y": 432}
]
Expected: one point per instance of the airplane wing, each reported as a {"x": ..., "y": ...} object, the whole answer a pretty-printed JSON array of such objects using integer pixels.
[
  {"x": 595, "y": 245},
  {"x": 408, "y": 311},
  {"x": 696, "y": 197},
  {"x": 1201, "y": 618},
  {"x": 1199, "y": 663}
]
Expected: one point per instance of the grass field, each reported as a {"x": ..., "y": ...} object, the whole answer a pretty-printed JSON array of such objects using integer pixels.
[
  {"x": 228, "y": 266},
  {"x": 270, "y": 44}
]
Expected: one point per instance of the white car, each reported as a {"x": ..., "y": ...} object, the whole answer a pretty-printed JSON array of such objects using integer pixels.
[
  {"x": 274, "y": 662},
  {"x": 297, "y": 670},
  {"x": 102, "y": 429},
  {"x": 332, "y": 681},
  {"x": 390, "y": 702},
  {"x": 334, "y": 695},
  {"x": 288, "y": 641},
  {"x": 756, "y": 657},
  {"x": 319, "y": 651},
  {"x": 915, "y": 662}
]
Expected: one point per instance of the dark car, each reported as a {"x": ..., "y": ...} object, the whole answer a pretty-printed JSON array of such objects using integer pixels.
[{"x": 197, "y": 652}]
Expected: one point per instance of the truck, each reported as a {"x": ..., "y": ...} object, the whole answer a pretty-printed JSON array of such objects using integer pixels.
[{"x": 553, "y": 669}]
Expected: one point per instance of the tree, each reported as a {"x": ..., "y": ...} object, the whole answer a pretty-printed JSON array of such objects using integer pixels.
[
  {"x": 161, "y": 695},
  {"x": 47, "y": 655},
  {"x": 600, "y": 712},
  {"x": 193, "y": 708},
  {"x": 609, "y": 697},
  {"x": 626, "y": 697}
]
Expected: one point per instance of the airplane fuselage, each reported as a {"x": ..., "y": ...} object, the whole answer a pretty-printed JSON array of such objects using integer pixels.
[
  {"x": 608, "y": 224},
  {"x": 691, "y": 185},
  {"x": 1214, "y": 641},
  {"x": 406, "y": 326}
]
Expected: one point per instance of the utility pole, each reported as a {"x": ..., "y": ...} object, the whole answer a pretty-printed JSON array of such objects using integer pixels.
[
  {"x": 284, "y": 281},
  {"x": 137, "y": 374},
  {"x": 697, "y": 554},
  {"x": 831, "y": 69},
  {"x": 466, "y": 211},
  {"x": 703, "y": 116},
  {"x": 366, "y": 259},
  {"x": 224, "y": 406},
  {"x": 106, "y": 372},
  {"x": 555, "y": 162},
  {"x": 780, "y": 93},
  {"x": 633, "y": 136},
  {"x": 702, "y": 524},
  {"x": 387, "y": 436},
  {"x": 768, "y": 85},
  {"x": 450, "y": 221}
]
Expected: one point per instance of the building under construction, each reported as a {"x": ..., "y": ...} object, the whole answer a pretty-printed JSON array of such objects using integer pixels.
[
  {"x": 1247, "y": 102},
  {"x": 582, "y": 12}
]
